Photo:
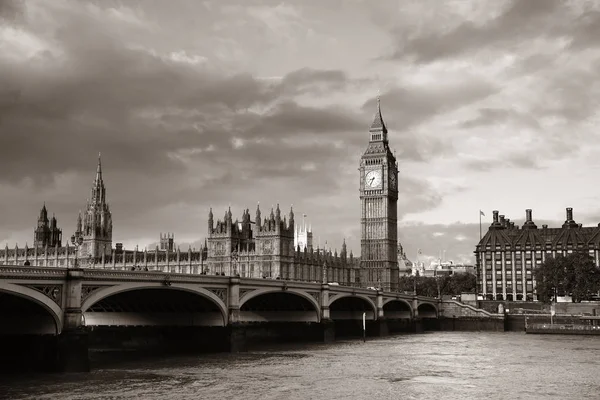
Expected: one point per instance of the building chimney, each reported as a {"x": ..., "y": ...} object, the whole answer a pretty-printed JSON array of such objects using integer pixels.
[
  {"x": 528, "y": 215},
  {"x": 502, "y": 221},
  {"x": 545, "y": 226},
  {"x": 495, "y": 212},
  {"x": 569, "y": 214}
]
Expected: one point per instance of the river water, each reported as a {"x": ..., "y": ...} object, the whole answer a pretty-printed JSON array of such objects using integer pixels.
[{"x": 437, "y": 365}]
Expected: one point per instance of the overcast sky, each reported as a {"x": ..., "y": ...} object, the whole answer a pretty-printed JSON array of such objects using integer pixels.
[{"x": 490, "y": 105}]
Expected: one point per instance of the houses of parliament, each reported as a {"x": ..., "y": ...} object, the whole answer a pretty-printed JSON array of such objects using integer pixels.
[{"x": 270, "y": 246}]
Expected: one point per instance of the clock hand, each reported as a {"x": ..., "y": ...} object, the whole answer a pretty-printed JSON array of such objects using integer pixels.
[{"x": 372, "y": 179}]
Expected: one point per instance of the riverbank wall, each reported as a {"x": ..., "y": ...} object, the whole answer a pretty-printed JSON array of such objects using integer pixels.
[{"x": 457, "y": 316}]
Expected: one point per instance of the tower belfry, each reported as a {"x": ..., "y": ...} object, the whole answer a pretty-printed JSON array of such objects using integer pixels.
[
  {"x": 379, "y": 209},
  {"x": 95, "y": 226}
]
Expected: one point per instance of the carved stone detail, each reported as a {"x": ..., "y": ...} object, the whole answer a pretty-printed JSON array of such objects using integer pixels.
[
  {"x": 53, "y": 292},
  {"x": 316, "y": 296},
  {"x": 86, "y": 291},
  {"x": 332, "y": 297},
  {"x": 220, "y": 293},
  {"x": 244, "y": 292}
]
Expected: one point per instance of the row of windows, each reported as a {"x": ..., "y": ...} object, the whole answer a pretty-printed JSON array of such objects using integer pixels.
[
  {"x": 529, "y": 254},
  {"x": 539, "y": 246}
]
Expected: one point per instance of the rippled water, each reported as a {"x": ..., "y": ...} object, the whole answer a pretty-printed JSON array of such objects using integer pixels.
[{"x": 440, "y": 365}]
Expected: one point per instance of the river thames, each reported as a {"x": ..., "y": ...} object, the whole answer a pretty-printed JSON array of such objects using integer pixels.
[{"x": 437, "y": 365}]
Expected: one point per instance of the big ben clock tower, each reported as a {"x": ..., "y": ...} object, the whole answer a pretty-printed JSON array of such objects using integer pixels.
[{"x": 379, "y": 210}]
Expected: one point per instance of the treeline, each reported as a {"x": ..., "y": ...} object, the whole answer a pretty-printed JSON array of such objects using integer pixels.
[{"x": 452, "y": 285}]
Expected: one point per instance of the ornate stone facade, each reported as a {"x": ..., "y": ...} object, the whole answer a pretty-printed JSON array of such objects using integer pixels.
[
  {"x": 264, "y": 248},
  {"x": 96, "y": 230}
]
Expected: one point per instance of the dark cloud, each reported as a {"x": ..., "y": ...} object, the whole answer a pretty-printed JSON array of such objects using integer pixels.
[
  {"x": 416, "y": 195},
  {"x": 521, "y": 20},
  {"x": 587, "y": 30},
  {"x": 308, "y": 79},
  {"x": 498, "y": 116},
  {"x": 176, "y": 138},
  {"x": 409, "y": 106},
  {"x": 11, "y": 10},
  {"x": 517, "y": 160},
  {"x": 97, "y": 107}
]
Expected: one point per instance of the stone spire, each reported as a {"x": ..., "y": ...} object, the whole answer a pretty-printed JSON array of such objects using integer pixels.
[
  {"x": 99, "y": 169},
  {"x": 98, "y": 189},
  {"x": 96, "y": 225},
  {"x": 378, "y": 129},
  {"x": 43, "y": 213}
]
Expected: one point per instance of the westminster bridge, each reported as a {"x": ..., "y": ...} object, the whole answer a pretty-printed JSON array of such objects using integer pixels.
[{"x": 69, "y": 308}]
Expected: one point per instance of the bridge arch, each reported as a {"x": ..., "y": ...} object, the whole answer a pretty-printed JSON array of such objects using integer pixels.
[
  {"x": 38, "y": 298},
  {"x": 397, "y": 308},
  {"x": 335, "y": 314},
  {"x": 290, "y": 291},
  {"x": 101, "y": 294},
  {"x": 427, "y": 310}
]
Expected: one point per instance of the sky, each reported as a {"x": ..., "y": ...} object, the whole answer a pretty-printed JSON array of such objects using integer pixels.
[{"x": 490, "y": 105}]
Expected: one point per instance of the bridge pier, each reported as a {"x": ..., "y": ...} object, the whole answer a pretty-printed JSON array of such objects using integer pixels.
[
  {"x": 328, "y": 328},
  {"x": 236, "y": 338},
  {"x": 379, "y": 328},
  {"x": 72, "y": 343},
  {"x": 72, "y": 352}
]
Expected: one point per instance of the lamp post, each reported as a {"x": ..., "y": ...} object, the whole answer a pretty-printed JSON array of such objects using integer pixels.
[{"x": 77, "y": 242}]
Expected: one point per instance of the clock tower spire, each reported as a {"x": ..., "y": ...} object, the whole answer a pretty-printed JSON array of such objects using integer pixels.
[
  {"x": 379, "y": 209},
  {"x": 378, "y": 129}
]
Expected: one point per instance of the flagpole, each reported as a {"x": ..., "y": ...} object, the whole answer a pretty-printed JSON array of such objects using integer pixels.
[{"x": 480, "y": 225}]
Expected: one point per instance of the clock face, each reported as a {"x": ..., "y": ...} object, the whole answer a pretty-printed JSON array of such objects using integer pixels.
[{"x": 373, "y": 179}]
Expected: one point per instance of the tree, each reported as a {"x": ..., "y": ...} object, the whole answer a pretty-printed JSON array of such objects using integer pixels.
[
  {"x": 575, "y": 274},
  {"x": 440, "y": 285},
  {"x": 549, "y": 276},
  {"x": 582, "y": 278}
]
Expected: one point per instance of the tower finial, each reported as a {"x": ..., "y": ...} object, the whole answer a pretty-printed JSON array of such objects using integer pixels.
[{"x": 99, "y": 169}]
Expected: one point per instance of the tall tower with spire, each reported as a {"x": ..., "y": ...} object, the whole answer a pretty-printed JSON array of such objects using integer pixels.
[
  {"x": 95, "y": 226},
  {"x": 379, "y": 209}
]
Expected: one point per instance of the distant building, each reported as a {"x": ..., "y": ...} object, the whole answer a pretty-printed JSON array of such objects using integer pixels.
[
  {"x": 508, "y": 255},
  {"x": 405, "y": 266},
  {"x": 450, "y": 268},
  {"x": 46, "y": 233}
]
